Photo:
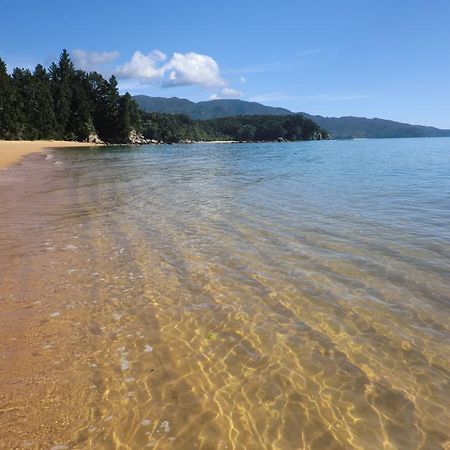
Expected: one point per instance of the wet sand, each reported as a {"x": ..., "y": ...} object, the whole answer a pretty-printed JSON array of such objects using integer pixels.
[{"x": 11, "y": 152}]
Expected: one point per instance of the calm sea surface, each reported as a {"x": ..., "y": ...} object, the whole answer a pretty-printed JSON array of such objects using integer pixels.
[{"x": 241, "y": 296}]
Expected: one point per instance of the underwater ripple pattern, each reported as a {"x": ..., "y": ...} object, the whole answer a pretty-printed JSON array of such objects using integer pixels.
[{"x": 251, "y": 296}]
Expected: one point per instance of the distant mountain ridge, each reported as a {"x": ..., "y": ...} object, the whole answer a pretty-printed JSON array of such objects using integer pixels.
[
  {"x": 361, "y": 127},
  {"x": 211, "y": 109},
  {"x": 338, "y": 127}
]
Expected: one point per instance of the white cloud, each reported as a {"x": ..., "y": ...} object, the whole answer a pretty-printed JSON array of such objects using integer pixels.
[
  {"x": 146, "y": 68},
  {"x": 182, "y": 69},
  {"x": 92, "y": 60},
  {"x": 192, "y": 69},
  {"x": 243, "y": 80},
  {"x": 227, "y": 93}
]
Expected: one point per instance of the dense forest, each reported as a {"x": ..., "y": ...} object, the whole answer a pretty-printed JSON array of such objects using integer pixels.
[
  {"x": 178, "y": 128},
  {"x": 172, "y": 128},
  {"x": 264, "y": 128},
  {"x": 64, "y": 103}
]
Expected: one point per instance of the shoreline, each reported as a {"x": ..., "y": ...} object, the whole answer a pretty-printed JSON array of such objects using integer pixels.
[{"x": 11, "y": 152}]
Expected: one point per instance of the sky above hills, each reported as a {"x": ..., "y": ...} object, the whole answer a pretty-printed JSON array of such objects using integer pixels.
[{"x": 388, "y": 59}]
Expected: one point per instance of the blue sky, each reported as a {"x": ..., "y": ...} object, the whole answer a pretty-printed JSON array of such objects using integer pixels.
[{"x": 388, "y": 59}]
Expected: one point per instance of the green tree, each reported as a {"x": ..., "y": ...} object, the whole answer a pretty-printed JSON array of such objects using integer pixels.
[
  {"x": 24, "y": 102},
  {"x": 8, "y": 111},
  {"x": 80, "y": 124},
  {"x": 62, "y": 76},
  {"x": 42, "y": 114}
]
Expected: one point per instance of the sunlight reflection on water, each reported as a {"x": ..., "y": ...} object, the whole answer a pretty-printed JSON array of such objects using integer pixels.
[{"x": 240, "y": 296}]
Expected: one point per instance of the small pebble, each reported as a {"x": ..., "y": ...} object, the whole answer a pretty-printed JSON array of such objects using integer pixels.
[
  {"x": 165, "y": 426},
  {"x": 124, "y": 364}
]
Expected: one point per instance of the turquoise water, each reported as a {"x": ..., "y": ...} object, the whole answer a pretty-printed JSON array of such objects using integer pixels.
[{"x": 287, "y": 295}]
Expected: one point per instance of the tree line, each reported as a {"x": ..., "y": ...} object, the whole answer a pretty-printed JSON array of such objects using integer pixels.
[
  {"x": 171, "y": 128},
  {"x": 65, "y": 103}
]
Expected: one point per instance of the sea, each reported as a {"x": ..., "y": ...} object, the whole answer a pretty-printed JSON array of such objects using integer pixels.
[{"x": 227, "y": 296}]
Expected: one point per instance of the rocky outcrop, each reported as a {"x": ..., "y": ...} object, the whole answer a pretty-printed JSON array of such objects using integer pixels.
[
  {"x": 138, "y": 139},
  {"x": 94, "y": 139}
]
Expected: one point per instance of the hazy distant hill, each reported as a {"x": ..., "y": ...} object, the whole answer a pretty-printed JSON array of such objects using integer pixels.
[
  {"x": 338, "y": 127},
  {"x": 360, "y": 127}
]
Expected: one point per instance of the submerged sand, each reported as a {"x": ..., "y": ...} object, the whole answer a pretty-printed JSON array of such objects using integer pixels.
[
  {"x": 12, "y": 151},
  {"x": 189, "y": 298}
]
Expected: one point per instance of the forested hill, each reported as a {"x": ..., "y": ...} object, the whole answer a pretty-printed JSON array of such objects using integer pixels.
[
  {"x": 64, "y": 103},
  {"x": 171, "y": 128},
  {"x": 211, "y": 109},
  {"x": 338, "y": 127}
]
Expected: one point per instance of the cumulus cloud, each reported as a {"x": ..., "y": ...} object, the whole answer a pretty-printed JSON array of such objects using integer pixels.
[
  {"x": 92, "y": 60},
  {"x": 192, "y": 69},
  {"x": 227, "y": 93},
  {"x": 146, "y": 68},
  {"x": 181, "y": 69}
]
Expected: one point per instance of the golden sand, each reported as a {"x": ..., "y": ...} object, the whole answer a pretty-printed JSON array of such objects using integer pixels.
[{"x": 12, "y": 151}]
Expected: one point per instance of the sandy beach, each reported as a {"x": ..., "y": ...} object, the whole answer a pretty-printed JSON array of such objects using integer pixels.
[{"x": 12, "y": 151}]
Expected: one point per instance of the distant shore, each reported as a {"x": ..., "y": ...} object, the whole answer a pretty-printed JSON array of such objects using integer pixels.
[{"x": 12, "y": 152}]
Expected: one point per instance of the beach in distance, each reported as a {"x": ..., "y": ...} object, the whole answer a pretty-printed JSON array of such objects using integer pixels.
[
  {"x": 12, "y": 151},
  {"x": 268, "y": 295}
]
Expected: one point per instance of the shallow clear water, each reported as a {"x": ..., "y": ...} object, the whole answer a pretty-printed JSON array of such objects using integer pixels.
[{"x": 257, "y": 296}]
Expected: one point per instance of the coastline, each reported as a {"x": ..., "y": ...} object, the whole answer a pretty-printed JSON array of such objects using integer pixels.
[{"x": 11, "y": 152}]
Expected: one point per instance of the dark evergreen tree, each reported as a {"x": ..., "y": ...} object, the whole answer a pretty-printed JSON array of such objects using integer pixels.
[
  {"x": 24, "y": 102},
  {"x": 62, "y": 76},
  {"x": 105, "y": 96},
  {"x": 42, "y": 114},
  {"x": 128, "y": 117},
  {"x": 8, "y": 110},
  {"x": 80, "y": 124}
]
